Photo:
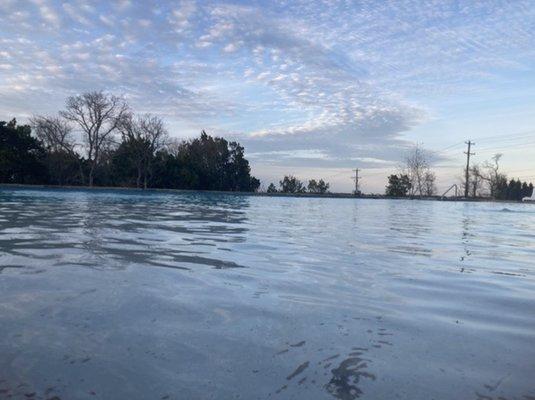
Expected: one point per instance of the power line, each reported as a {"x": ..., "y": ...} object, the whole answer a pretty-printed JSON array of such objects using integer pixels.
[
  {"x": 506, "y": 136},
  {"x": 511, "y": 140},
  {"x": 338, "y": 173},
  {"x": 449, "y": 147},
  {"x": 490, "y": 145},
  {"x": 446, "y": 149},
  {"x": 508, "y": 146}
]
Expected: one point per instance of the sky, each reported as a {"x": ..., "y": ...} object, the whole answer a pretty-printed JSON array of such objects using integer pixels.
[{"x": 310, "y": 88}]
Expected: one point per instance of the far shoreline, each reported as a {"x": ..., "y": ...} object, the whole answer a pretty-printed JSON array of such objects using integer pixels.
[{"x": 257, "y": 194}]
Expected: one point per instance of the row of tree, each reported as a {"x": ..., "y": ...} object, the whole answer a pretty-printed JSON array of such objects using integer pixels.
[
  {"x": 97, "y": 140},
  {"x": 398, "y": 185},
  {"x": 486, "y": 180},
  {"x": 291, "y": 184},
  {"x": 416, "y": 177}
]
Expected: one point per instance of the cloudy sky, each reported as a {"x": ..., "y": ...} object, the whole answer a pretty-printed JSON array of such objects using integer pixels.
[{"x": 313, "y": 88}]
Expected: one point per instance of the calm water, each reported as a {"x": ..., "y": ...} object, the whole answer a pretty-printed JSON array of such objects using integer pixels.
[{"x": 121, "y": 295}]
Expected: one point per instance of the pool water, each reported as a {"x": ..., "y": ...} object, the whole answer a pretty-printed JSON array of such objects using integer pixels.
[{"x": 110, "y": 294}]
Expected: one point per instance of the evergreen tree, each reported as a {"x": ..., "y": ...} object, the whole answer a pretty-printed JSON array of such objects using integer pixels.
[
  {"x": 272, "y": 188},
  {"x": 290, "y": 184},
  {"x": 138, "y": 160},
  {"x": 398, "y": 185},
  {"x": 317, "y": 186},
  {"x": 22, "y": 157}
]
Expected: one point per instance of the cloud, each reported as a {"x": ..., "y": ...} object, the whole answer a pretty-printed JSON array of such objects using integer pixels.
[
  {"x": 181, "y": 17},
  {"x": 48, "y": 14},
  {"x": 302, "y": 83},
  {"x": 372, "y": 139}
]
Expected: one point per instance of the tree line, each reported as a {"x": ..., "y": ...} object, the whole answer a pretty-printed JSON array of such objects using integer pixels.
[
  {"x": 416, "y": 177},
  {"x": 291, "y": 184},
  {"x": 98, "y": 141},
  {"x": 485, "y": 180}
]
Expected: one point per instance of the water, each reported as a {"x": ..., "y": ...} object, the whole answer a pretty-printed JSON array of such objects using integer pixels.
[{"x": 122, "y": 295}]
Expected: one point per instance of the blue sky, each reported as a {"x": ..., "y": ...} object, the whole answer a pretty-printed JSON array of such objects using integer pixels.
[{"x": 313, "y": 88}]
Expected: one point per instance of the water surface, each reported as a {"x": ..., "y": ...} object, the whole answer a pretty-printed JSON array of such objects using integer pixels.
[{"x": 129, "y": 295}]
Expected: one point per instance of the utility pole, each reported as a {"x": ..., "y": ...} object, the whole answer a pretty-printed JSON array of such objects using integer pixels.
[
  {"x": 467, "y": 176},
  {"x": 356, "y": 178}
]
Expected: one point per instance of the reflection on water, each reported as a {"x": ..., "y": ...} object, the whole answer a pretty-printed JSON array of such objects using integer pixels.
[
  {"x": 112, "y": 232},
  {"x": 128, "y": 295}
]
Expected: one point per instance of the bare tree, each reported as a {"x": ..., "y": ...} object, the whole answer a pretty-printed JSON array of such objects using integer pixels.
[
  {"x": 421, "y": 178},
  {"x": 57, "y": 136},
  {"x": 430, "y": 188},
  {"x": 491, "y": 174},
  {"x": 54, "y": 132},
  {"x": 146, "y": 135},
  {"x": 475, "y": 180},
  {"x": 98, "y": 116}
]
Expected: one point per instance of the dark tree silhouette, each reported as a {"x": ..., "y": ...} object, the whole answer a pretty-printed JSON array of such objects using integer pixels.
[
  {"x": 514, "y": 190},
  {"x": 64, "y": 165},
  {"x": 142, "y": 138},
  {"x": 398, "y": 185},
  {"x": 98, "y": 115},
  {"x": 142, "y": 156},
  {"x": 22, "y": 157},
  {"x": 317, "y": 186},
  {"x": 272, "y": 188},
  {"x": 290, "y": 184},
  {"x": 140, "y": 159},
  {"x": 204, "y": 163}
]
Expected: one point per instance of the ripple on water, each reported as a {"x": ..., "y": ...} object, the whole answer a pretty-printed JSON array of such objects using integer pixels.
[{"x": 118, "y": 294}]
